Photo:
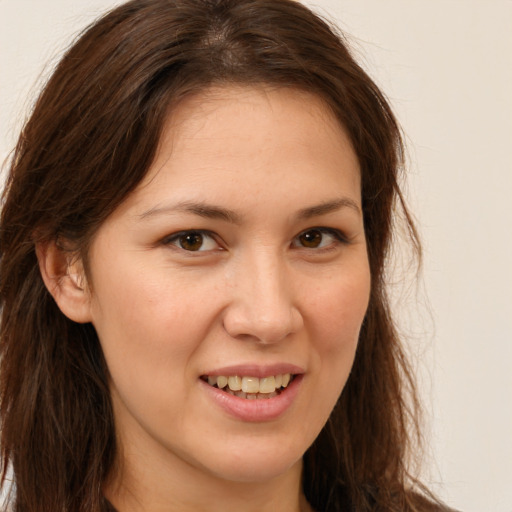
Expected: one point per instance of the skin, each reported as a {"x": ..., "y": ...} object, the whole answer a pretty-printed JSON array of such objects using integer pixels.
[{"x": 252, "y": 294}]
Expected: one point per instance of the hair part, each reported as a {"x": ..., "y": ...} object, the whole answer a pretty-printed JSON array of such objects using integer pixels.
[{"x": 89, "y": 142}]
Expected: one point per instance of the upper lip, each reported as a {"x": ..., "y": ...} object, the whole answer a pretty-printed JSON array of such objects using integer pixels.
[{"x": 255, "y": 370}]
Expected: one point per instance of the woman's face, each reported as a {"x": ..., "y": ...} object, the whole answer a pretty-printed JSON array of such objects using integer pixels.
[{"x": 241, "y": 257}]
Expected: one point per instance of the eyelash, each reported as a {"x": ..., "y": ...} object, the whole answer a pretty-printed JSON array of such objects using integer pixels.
[
  {"x": 174, "y": 239},
  {"x": 338, "y": 236}
]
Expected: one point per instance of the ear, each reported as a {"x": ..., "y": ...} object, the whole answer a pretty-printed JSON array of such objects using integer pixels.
[{"x": 63, "y": 274}]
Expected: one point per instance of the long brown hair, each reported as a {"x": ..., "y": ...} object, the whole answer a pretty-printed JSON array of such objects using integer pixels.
[{"x": 89, "y": 141}]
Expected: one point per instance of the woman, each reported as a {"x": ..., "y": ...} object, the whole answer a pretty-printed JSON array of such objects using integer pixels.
[{"x": 193, "y": 240}]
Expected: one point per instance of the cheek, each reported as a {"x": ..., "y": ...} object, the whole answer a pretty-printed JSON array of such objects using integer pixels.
[
  {"x": 339, "y": 313},
  {"x": 149, "y": 326},
  {"x": 149, "y": 304},
  {"x": 336, "y": 312},
  {"x": 339, "y": 309}
]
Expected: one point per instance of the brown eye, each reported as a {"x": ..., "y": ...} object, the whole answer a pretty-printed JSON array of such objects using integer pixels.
[
  {"x": 319, "y": 238},
  {"x": 311, "y": 239},
  {"x": 191, "y": 241}
]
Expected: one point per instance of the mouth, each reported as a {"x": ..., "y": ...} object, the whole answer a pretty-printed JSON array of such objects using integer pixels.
[{"x": 249, "y": 387}]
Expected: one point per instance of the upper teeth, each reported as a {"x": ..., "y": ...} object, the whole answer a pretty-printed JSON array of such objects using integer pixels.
[{"x": 251, "y": 384}]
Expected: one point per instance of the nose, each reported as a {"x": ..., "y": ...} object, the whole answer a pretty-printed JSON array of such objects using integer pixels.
[{"x": 262, "y": 306}]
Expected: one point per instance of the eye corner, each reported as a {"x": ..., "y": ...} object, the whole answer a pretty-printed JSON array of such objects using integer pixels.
[
  {"x": 193, "y": 242},
  {"x": 320, "y": 238}
]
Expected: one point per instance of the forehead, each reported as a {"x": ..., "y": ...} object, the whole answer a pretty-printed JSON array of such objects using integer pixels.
[
  {"x": 251, "y": 119},
  {"x": 228, "y": 142}
]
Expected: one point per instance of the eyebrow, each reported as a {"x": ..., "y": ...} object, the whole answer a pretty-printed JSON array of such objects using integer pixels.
[
  {"x": 201, "y": 209},
  {"x": 209, "y": 211},
  {"x": 328, "y": 207}
]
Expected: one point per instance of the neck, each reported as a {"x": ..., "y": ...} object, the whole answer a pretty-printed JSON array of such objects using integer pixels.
[{"x": 181, "y": 487}]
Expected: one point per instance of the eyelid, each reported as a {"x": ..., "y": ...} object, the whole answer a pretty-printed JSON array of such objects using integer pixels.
[
  {"x": 170, "y": 240},
  {"x": 336, "y": 233}
]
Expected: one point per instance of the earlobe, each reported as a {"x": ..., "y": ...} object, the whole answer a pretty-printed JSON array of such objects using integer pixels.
[{"x": 63, "y": 274}]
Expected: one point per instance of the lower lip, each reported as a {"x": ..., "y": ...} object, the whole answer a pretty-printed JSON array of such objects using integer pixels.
[{"x": 258, "y": 410}]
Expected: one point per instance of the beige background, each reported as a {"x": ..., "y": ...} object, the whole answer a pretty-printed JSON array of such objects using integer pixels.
[{"x": 446, "y": 66}]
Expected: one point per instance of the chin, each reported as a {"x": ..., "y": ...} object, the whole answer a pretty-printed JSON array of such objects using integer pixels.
[{"x": 257, "y": 464}]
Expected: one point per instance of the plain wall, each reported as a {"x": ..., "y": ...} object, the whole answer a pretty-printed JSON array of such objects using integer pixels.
[{"x": 446, "y": 67}]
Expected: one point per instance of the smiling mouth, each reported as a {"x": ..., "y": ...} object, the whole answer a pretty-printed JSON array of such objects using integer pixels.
[{"x": 250, "y": 388}]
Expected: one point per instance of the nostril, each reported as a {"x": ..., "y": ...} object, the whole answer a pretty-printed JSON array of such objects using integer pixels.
[{"x": 246, "y": 325}]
